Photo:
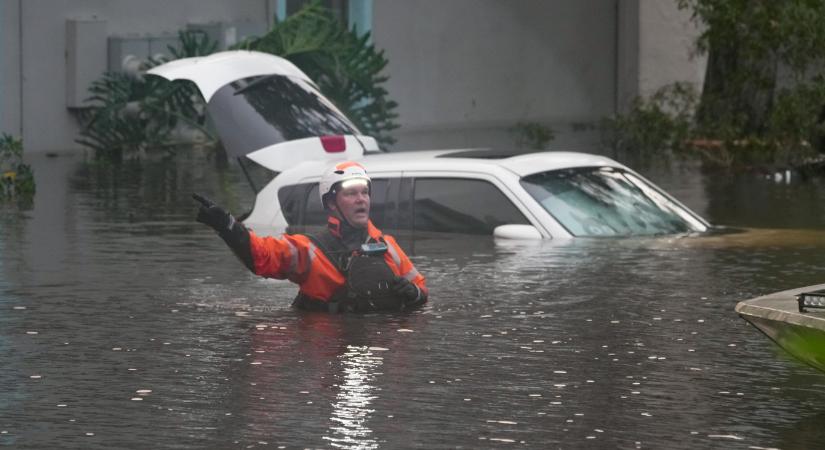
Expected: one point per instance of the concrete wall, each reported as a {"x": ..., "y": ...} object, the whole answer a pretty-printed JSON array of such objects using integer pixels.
[
  {"x": 10, "y": 59},
  {"x": 34, "y": 68},
  {"x": 656, "y": 48},
  {"x": 667, "y": 38},
  {"x": 627, "y": 58},
  {"x": 464, "y": 71}
]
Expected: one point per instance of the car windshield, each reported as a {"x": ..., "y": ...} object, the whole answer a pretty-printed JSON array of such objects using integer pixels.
[
  {"x": 260, "y": 111},
  {"x": 605, "y": 201}
]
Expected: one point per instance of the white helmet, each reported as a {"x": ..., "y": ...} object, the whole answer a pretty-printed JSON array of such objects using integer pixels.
[{"x": 343, "y": 171}]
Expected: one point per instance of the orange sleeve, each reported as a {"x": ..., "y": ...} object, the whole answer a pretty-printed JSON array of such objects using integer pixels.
[
  {"x": 405, "y": 266},
  {"x": 285, "y": 257}
]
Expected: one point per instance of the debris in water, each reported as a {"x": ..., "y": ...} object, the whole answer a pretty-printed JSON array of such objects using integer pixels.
[{"x": 726, "y": 436}]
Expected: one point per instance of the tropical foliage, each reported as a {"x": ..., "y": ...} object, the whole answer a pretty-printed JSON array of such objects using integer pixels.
[
  {"x": 762, "y": 104},
  {"x": 347, "y": 67},
  {"x": 129, "y": 112}
]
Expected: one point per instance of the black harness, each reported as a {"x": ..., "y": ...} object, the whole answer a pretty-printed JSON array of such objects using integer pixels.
[{"x": 369, "y": 279}]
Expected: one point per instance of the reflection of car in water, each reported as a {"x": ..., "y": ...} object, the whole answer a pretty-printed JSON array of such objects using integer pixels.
[{"x": 267, "y": 111}]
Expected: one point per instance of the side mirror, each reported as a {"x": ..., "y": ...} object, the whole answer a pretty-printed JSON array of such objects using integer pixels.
[{"x": 521, "y": 232}]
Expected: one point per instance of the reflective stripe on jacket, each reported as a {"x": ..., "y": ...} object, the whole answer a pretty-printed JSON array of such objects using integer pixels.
[{"x": 296, "y": 258}]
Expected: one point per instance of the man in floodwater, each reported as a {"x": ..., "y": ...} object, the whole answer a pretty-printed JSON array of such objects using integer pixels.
[{"x": 350, "y": 266}]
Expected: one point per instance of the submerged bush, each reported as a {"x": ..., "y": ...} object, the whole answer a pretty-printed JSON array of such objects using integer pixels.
[
  {"x": 653, "y": 125},
  {"x": 664, "y": 125},
  {"x": 16, "y": 178},
  {"x": 532, "y": 135}
]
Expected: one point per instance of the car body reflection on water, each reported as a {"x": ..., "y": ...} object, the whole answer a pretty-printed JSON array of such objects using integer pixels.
[{"x": 269, "y": 112}]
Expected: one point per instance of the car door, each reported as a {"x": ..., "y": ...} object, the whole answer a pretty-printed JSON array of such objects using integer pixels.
[{"x": 455, "y": 203}]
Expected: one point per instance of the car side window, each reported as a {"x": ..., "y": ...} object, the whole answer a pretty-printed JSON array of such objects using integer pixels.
[
  {"x": 461, "y": 205},
  {"x": 378, "y": 202},
  {"x": 289, "y": 197},
  {"x": 314, "y": 213}
]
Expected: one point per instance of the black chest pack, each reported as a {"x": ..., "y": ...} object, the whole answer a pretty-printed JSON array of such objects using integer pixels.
[{"x": 369, "y": 280}]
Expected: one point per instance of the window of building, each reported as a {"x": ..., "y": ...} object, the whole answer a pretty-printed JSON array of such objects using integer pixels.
[{"x": 352, "y": 13}]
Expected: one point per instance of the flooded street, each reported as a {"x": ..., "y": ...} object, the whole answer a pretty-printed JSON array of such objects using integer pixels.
[{"x": 126, "y": 324}]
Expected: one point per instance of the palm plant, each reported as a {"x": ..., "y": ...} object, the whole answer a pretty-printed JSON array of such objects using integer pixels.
[
  {"x": 347, "y": 67},
  {"x": 130, "y": 113}
]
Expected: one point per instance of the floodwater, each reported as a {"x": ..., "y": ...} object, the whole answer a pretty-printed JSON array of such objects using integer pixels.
[{"x": 125, "y": 324}]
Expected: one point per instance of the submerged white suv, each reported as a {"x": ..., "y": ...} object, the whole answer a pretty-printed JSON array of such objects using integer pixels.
[{"x": 267, "y": 111}]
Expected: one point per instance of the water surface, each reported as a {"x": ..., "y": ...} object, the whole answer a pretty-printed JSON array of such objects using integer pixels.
[{"x": 125, "y": 324}]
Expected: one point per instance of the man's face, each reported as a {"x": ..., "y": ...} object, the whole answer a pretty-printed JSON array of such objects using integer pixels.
[{"x": 352, "y": 201}]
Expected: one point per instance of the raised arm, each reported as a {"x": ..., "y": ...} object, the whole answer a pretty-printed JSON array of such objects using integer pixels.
[{"x": 231, "y": 231}]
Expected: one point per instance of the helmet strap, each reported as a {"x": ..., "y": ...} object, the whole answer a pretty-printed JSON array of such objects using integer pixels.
[{"x": 337, "y": 212}]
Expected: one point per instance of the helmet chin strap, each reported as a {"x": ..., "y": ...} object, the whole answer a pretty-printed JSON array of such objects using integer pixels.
[
  {"x": 340, "y": 216},
  {"x": 337, "y": 213}
]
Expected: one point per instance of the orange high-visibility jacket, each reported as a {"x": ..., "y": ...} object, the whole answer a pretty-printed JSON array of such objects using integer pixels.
[{"x": 296, "y": 258}]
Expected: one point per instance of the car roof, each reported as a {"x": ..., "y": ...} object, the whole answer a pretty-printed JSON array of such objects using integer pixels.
[
  {"x": 466, "y": 160},
  {"x": 212, "y": 72}
]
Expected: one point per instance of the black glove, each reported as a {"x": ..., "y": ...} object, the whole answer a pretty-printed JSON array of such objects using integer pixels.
[
  {"x": 213, "y": 215},
  {"x": 233, "y": 233},
  {"x": 405, "y": 289}
]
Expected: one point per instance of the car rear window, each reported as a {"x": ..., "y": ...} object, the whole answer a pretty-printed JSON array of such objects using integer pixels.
[{"x": 259, "y": 111}]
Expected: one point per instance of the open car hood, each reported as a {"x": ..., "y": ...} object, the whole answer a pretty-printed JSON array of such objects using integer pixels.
[{"x": 268, "y": 110}]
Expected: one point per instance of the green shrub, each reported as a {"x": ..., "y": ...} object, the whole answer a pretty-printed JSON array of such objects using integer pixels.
[
  {"x": 16, "y": 178},
  {"x": 532, "y": 135},
  {"x": 655, "y": 125}
]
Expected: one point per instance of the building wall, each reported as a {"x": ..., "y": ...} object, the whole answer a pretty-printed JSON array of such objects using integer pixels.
[
  {"x": 667, "y": 54},
  {"x": 9, "y": 67},
  {"x": 465, "y": 71},
  {"x": 627, "y": 58},
  {"x": 42, "y": 118}
]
